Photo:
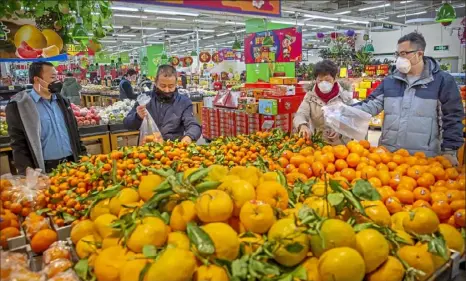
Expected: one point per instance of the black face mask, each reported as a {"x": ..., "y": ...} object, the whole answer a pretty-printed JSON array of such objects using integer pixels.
[
  {"x": 55, "y": 87},
  {"x": 164, "y": 96}
]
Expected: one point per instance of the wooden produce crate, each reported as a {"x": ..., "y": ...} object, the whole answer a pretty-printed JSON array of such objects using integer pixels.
[{"x": 125, "y": 138}]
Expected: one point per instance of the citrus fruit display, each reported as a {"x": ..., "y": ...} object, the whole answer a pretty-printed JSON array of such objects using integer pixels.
[{"x": 259, "y": 207}]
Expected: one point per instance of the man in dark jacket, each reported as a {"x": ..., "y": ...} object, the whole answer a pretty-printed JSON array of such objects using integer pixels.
[
  {"x": 126, "y": 90},
  {"x": 71, "y": 89},
  {"x": 172, "y": 112},
  {"x": 41, "y": 124},
  {"x": 422, "y": 104}
]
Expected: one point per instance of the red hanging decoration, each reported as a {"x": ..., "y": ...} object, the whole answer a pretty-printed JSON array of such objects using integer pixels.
[
  {"x": 204, "y": 57},
  {"x": 216, "y": 57},
  {"x": 187, "y": 61},
  {"x": 175, "y": 61}
]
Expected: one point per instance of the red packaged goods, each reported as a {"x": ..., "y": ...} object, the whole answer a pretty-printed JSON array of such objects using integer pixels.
[
  {"x": 282, "y": 121},
  {"x": 300, "y": 90},
  {"x": 289, "y": 104},
  {"x": 258, "y": 85}
]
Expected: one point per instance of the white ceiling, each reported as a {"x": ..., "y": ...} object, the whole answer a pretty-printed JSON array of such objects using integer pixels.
[{"x": 137, "y": 25}]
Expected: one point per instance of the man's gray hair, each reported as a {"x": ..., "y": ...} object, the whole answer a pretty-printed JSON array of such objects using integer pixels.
[
  {"x": 165, "y": 70},
  {"x": 414, "y": 38}
]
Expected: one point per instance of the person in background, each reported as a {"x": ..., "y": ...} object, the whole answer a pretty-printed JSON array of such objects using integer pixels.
[
  {"x": 71, "y": 89},
  {"x": 41, "y": 124},
  {"x": 126, "y": 89},
  {"x": 421, "y": 103},
  {"x": 172, "y": 112},
  {"x": 184, "y": 80},
  {"x": 326, "y": 91}
]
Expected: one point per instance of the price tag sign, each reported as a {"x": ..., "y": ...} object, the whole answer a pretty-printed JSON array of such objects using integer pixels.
[{"x": 11, "y": 88}]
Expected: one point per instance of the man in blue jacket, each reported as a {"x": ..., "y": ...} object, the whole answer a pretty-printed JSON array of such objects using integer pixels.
[
  {"x": 422, "y": 104},
  {"x": 172, "y": 112}
]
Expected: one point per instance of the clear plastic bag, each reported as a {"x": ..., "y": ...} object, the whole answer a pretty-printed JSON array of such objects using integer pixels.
[
  {"x": 20, "y": 193},
  {"x": 34, "y": 223},
  {"x": 346, "y": 120},
  {"x": 58, "y": 250},
  {"x": 56, "y": 267},
  {"x": 148, "y": 132},
  {"x": 68, "y": 275}
]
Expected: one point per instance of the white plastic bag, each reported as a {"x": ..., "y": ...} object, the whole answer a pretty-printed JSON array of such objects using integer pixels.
[
  {"x": 148, "y": 132},
  {"x": 347, "y": 120}
]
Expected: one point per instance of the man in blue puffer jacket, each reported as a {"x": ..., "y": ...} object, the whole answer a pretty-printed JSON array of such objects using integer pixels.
[
  {"x": 422, "y": 104},
  {"x": 172, "y": 112}
]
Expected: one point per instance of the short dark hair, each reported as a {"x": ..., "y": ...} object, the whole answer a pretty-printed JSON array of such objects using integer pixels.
[
  {"x": 69, "y": 74},
  {"x": 326, "y": 67},
  {"x": 415, "y": 38},
  {"x": 131, "y": 72},
  {"x": 35, "y": 69},
  {"x": 166, "y": 70}
]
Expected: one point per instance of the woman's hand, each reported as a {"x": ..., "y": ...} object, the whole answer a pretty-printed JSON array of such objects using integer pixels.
[
  {"x": 304, "y": 131},
  {"x": 141, "y": 110}
]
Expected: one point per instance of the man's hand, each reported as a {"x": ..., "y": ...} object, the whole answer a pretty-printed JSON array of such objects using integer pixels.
[
  {"x": 141, "y": 110},
  {"x": 332, "y": 135},
  {"x": 304, "y": 131},
  {"x": 451, "y": 156},
  {"x": 187, "y": 140}
]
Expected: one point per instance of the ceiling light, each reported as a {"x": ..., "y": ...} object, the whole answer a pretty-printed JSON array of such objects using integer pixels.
[
  {"x": 207, "y": 21},
  {"x": 412, "y": 14},
  {"x": 229, "y": 42},
  {"x": 155, "y": 42},
  {"x": 322, "y": 47},
  {"x": 343, "y": 13},
  {"x": 239, "y": 31},
  {"x": 114, "y": 27},
  {"x": 124, "y": 9},
  {"x": 132, "y": 42},
  {"x": 182, "y": 35},
  {"x": 374, "y": 7},
  {"x": 154, "y": 35},
  {"x": 124, "y": 35},
  {"x": 168, "y": 18},
  {"x": 108, "y": 41},
  {"x": 318, "y": 17},
  {"x": 173, "y": 13},
  {"x": 130, "y": 16},
  {"x": 143, "y": 27},
  {"x": 235, "y": 23},
  {"x": 208, "y": 46},
  {"x": 288, "y": 11},
  {"x": 176, "y": 29},
  {"x": 206, "y": 30},
  {"x": 207, "y": 37},
  {"x": 321, "y": 26},
  {"x": 287, "y": 22},
  {"x": 223, "y": 34},
  {"x": 354, "y": 21},
  {"x": 404, "y": 2},
  {"x": 383, "y": 18}
]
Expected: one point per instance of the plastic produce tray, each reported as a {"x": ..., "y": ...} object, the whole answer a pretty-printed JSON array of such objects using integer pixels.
[
  {"x": 4, "y": 140},
  {"x": 93, "y": 130},
  {"x": 117, "y": 128}
]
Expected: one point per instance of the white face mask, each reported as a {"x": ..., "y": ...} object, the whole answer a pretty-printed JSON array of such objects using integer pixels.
[
  {"x": 403, "y": 65},
  {"x": 325, "y": 87}
]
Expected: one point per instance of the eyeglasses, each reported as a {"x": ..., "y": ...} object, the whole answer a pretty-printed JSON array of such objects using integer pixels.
[{"x": 403, "y": 53}]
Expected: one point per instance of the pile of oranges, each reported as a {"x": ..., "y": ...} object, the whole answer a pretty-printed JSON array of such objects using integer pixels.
[{"x": 404, "y": 181}]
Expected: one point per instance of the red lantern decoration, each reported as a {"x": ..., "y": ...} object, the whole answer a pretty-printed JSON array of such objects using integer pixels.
[
  {"x": 175, "y": 61},
  {"x": 188, "y": 61},
  {"x": 334, "y": 35},
  {"x": 216, "y": 57},
  {"x": 204, "y": 57}
]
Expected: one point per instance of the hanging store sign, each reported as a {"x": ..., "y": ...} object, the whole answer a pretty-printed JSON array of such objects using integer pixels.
[
  {"x": 253, "y": 7},
  {"x": 286, "y": 46}
]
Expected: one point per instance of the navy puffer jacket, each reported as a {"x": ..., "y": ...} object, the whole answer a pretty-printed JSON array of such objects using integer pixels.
[{"x": 174, "y": 118}]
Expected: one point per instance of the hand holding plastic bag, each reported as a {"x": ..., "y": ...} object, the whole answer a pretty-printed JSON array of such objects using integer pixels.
[
  {"x": 148, "y": 132},
  {"x": 347, "y": 120}
]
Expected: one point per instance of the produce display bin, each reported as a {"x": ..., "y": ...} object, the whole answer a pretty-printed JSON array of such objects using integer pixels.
[
  {"x": 4, "y": 140},
  {"x": 62, "y": 232},
  {"x": 97, "y": 144},
  {"x": 93, "y": 130},
  {"x": 119, "y": 127},
  {"x": 123, "y": 138}
]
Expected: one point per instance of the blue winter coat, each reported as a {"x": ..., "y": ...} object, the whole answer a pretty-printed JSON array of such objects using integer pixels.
[
  {"x": 175, "y": 119},
  {"x": 426, "y": 116}
]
